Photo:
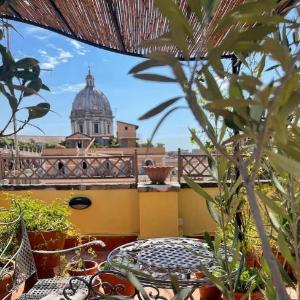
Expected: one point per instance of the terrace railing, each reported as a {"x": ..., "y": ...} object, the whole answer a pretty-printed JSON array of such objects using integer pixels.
[
  {"x": 39, "y": 169},
  {"x": 194, "y": 166}
]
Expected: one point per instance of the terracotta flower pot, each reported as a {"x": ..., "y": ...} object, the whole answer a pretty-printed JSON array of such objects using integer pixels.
[
  {"x": 91, "y": 268},
  {"x": 114, "y": 284},
  {"x": 46, "y": 240},
  {"x": 210, "y": 292},
  {"x": 158, "y": 175},
  {"x": 256, "y": 295},
  {"x": 6, "y": 280},
  {"x": 251, "y": 260}
]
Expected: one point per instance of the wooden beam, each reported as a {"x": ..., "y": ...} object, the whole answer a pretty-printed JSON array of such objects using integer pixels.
[
  {"x": 116, "y": 24},
  {"x": 61, "y": 16}
]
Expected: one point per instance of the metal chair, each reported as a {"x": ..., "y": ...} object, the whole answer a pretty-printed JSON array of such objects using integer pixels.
[{"x": 25, "y": 268}]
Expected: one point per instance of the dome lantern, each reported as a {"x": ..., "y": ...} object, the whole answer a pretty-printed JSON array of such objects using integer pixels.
[{"x": 89, "y": 79}]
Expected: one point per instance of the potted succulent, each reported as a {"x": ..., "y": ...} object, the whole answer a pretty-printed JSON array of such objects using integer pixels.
[
  {"x": 249, "y": 283},
  {"x": 158, "y": 174},
  {"x": 47, "y": 225}
]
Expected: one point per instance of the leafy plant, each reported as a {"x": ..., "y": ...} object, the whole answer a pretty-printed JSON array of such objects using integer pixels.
[
  {"x": 39, "y": 215},
  {"x": 77, "y": 260},
  {"x": 19, "y": 79},
  {"x": 248, "y": 281}
]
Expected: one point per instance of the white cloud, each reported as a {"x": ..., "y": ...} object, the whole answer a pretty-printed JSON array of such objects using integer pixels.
[
  {"x": 79, "y": 49},
  {"x": 67, "y": 88},
  {"x": 37, "y": 32},
  {"x": 76, "y": 44},
  {"x": 50, "y": 61}
]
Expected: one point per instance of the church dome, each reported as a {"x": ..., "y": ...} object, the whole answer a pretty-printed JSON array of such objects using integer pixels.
[{"x": 89, "y": 99}]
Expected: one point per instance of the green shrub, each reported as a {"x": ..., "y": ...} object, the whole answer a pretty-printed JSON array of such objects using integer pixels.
[
  {"x": 248, "y": 281},
  {"x": 39, "y": 215}
]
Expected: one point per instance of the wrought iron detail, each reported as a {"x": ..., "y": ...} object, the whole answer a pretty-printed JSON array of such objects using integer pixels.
[{"x": 30, "y": 169}]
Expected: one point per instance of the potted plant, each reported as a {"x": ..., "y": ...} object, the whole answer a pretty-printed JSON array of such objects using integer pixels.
[
  {"x": 47, "y": 225},
  {"x": 249, "y": 283},
  {"x": 9, "y": 245},
  {"x": 6, "y": 277},
  {"x": 80, "y": 266},
  {"x": 111, "y": 281},
  {"x": 158, "y": 174},
  {"x": 211, "y": 292}
]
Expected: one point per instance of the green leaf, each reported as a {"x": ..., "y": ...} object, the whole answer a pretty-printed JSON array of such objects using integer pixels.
[
  {"x": 163, "y": 119},
  {"x": 261, "y": 65},
  {"x": 158, "y": 109},
  {"x": 145, "y": 65},
  {"x": 199, "y": 143},
  {"x": 38, "y": 111},
  {"x": 277, "y": 51},
  {"x": 26, "y": 75},
  {"x": 198, "y": 189},
  {"x": 34, "y": 85},
  {"x": 26, "y": 62},
  {"x": 284, "y": 249},
  {"x": 155, "y": 77},
  {"x": 284, "y": 163},
  {"x": 235, "y": 91},
  {"x": 271, "y": 204},
  {"x": 45, "y": 87},
  {"x": 132, "y": 278},
  {"x": 180, "y": 29},
  {"x": 208, "y": 240},
  {"x": 212, "y": 86}
]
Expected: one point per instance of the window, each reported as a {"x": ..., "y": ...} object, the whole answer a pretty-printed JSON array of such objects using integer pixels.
[
  {"x": 126, "y": 128},
  {"x": 108, "y": 128},
  {"x": 96, "y": 128},
  {"x": 81, "y": 128}
]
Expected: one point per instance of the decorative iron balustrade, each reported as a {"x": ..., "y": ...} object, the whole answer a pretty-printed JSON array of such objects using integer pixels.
[
  {"x": 34, "y": 169},
  {"x": 193, "y": 166},
  {"x": 196, "y": 166}
]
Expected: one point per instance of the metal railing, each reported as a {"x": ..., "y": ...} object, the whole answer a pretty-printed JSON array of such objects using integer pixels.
[
  {"x": 194, "y": 166},
  {"x": 36, "y": 169}
]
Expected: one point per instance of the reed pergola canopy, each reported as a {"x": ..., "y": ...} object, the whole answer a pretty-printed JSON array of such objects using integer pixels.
[{"x": 116, "y": 25}]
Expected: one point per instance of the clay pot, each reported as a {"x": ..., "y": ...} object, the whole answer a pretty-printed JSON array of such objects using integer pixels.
[
  {"x": 256, "y": 295},
  {"x": 158, "y": 175},
  {"x": 91, "y": 268},
  {"x": 114, "y": 284},
  {"x": 46, "y": 240},
  {"x": 6, "y": 280},
  {"x": 251, "y": 260},
  {"x": 210, "y": 292}
]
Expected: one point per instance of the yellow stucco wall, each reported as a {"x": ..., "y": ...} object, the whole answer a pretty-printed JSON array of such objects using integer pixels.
[
  {"x": 194, "y": 213},
  {"x": 113, "y": 212},
  {"x": 158, "y": 214},
  {"x": 130, "y": 212}
]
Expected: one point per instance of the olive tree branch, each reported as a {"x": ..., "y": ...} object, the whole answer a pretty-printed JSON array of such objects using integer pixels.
[{"x": 265, "y": 130}]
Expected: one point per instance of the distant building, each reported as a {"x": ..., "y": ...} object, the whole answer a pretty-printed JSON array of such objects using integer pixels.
[
  {"x": 126, "y": 134},
  {"x": 78, "y": 140},
  {"x": 91, "y": 113}
]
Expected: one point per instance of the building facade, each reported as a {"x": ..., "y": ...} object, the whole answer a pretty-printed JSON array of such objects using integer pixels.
[
  {"x": 126, "y": 134},
  {"x": 91, "y": 113}
]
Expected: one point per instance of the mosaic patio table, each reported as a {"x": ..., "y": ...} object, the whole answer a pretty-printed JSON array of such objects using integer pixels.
[{"x": 154, "y": 260}]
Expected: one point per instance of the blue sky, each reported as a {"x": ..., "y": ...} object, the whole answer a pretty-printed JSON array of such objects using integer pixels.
[{"x": 68, "y": 60}]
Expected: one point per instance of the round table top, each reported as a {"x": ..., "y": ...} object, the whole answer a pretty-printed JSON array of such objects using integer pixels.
[{"x": 154, "y": 260}]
